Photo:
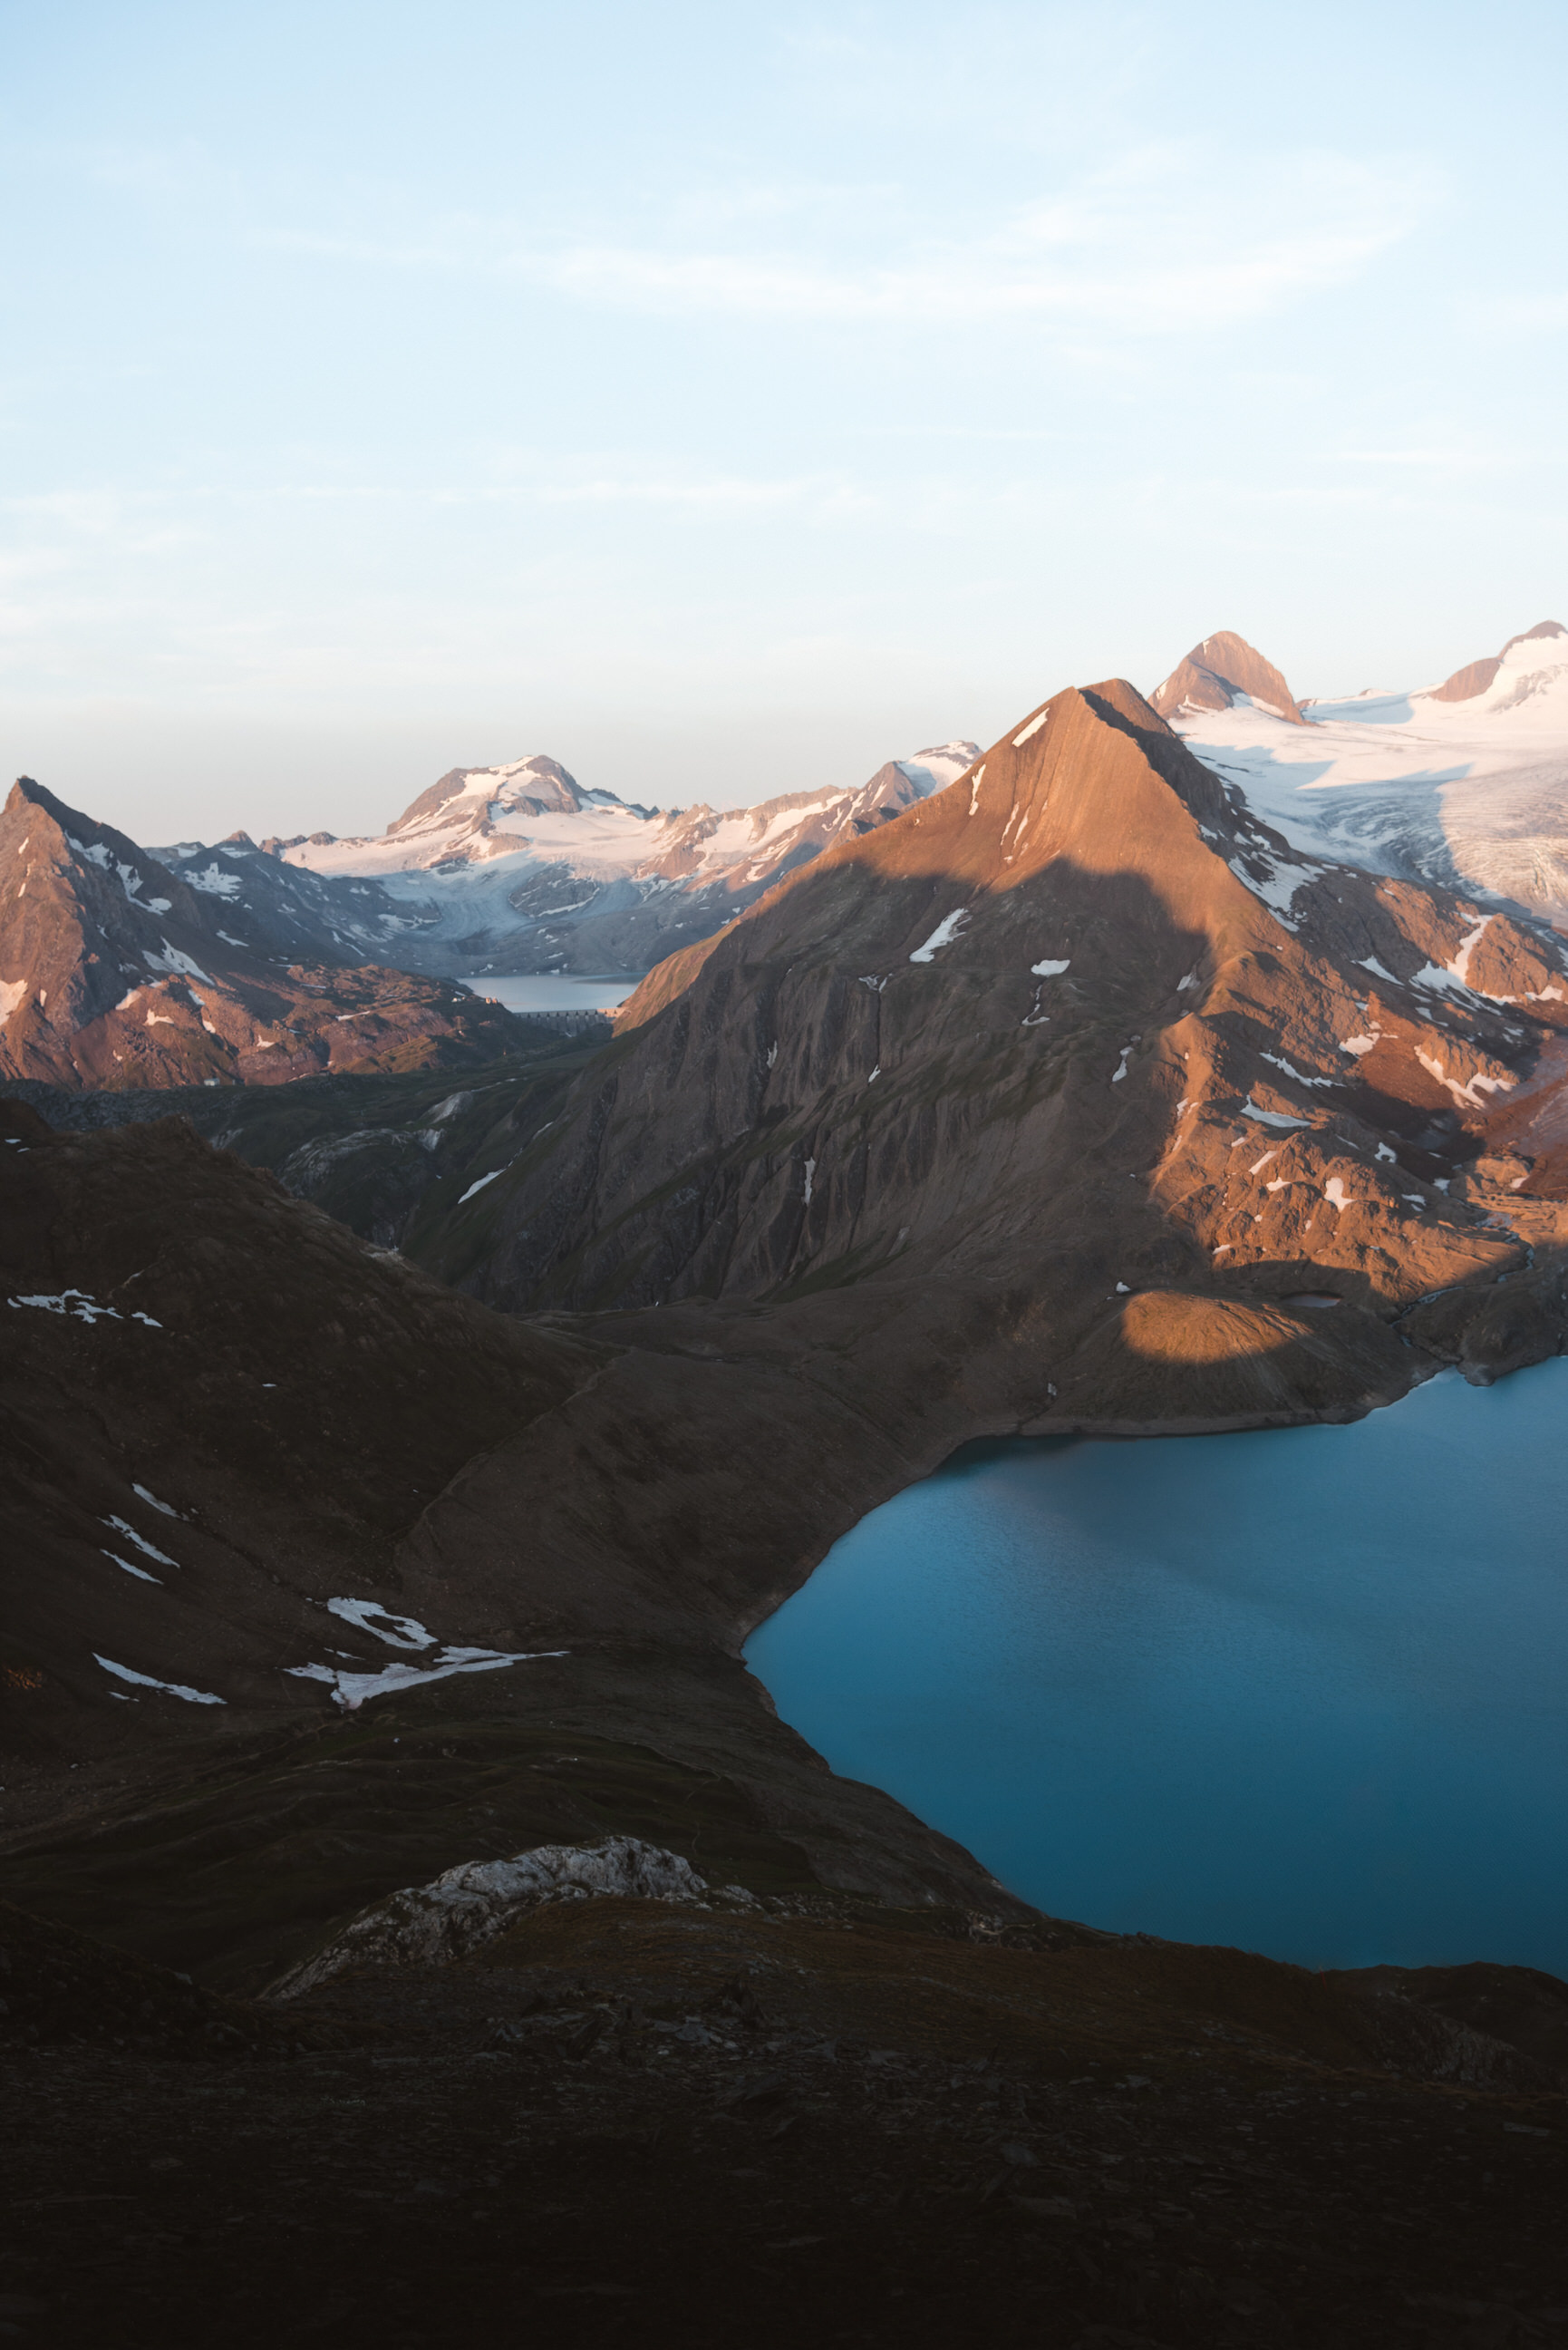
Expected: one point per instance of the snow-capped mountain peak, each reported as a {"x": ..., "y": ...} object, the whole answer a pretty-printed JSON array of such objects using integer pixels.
[
  {"x": 1527, "y": 665},
  {"x": 519, "y": 867}
]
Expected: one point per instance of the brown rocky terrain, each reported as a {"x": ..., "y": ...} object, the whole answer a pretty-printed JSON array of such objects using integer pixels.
[
  {"x": 1213, "y": 674},
  {"x": 114, "y": 971}
]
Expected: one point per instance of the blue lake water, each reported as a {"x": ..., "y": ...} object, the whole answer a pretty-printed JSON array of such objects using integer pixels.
[
  {"x": 1304, "y": 1690},
  {"x": 546, "y": 992}
]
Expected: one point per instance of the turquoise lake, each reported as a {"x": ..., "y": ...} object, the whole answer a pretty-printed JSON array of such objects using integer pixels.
[{"x": 1304, "y": 1691}]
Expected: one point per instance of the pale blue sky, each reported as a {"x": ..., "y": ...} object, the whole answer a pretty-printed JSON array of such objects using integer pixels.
[{"x": 724, "y": 399}]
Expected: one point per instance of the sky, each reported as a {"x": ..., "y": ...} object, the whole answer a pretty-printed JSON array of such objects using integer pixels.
[{"x": 724, "y": 399}]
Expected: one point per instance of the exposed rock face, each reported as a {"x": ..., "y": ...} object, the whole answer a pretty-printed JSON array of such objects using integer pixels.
[
  {"x": 114, "y": 971},
  {"x": 1477, "y": 675},
  {"x": 430, "y": 1925},
  {"x": 1077, "y": 1032},
  {"x": 1215, "y": 672}
]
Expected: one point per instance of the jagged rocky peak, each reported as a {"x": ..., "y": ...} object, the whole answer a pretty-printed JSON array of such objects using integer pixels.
[
  {"x": 1217, "y": 673},
  {"x": 1533, "y": 651}
]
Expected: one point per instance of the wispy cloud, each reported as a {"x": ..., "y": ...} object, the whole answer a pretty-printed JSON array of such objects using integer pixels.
[{"x": 1170, "y": 237}]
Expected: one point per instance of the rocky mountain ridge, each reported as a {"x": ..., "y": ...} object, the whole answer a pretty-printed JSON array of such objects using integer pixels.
[
  {"x": 951, "y": 1051},
  {"x": 115, "y": 971}
]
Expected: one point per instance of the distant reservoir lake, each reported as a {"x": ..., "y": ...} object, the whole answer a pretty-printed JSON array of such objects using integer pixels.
[
  {"x": 1304, "y": 1691},
  {"x": 542, "y": 992}
]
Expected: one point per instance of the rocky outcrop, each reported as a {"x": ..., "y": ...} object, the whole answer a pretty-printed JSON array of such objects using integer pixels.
[
  {"x": 1214, "y": 673},
  {"x": 466, "y": 1907},
  {"x": 115, "y": 971}
]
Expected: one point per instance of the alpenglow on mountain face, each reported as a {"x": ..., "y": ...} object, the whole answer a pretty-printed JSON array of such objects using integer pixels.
[
  {"x": 1465, "y": 783},
  {"x": 519, "y": 867}
]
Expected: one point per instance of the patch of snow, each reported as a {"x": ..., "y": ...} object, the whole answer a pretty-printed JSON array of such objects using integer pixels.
[
  {"x": 1122, "y": 1065},
  {"x": 139, "y": 1572},
  {"x": 13, "y": 994},
  {"x": 1461, "y": 965},
  {"x": 351, "y": 1691},
  {"x": 1279, "y": 886},
  {"x": 944, "y": 934},
  {"x": 1359, "y": 1045},
  {"x": 1291, "y": 1071},
  {"x": 1338, "y": 1198},
  {"x": 213, "y": 883},
  {"x": 1371, "y": 963},
  {"x": 1191, "y": 981},
  {"x": 1273, "y": 1117},
  {"x": 974, "y": 789},
  {"x": 1258, "y": 1164},
  {"x": 875, "y": 1075},
  {"x": 1384, "y": 1153},
  {"x": 810, "y": 1172},
  {"x": 148, "y": 1549},
  {"x": 1465, "y": 1095},
  {"x": 481, "y": 1184},
  {"x": 1051, "y": 970},
  {"x": 178, "y": 964},
  {"x": 169, "y": 1688},
  {"x": 154, "y": 1502},
  {"x": 398, "y": 1631},
  {"x": 1034, "y": 727},
  {"x": 81, "y": 1308}
]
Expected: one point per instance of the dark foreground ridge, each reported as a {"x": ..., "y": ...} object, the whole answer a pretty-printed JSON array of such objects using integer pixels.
[{"x": 632, "y": 2121}]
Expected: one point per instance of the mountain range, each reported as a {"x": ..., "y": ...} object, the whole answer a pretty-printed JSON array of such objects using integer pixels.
[
  {"x": 351, "y": 1557},
  {"x": 519, "y": 867}
]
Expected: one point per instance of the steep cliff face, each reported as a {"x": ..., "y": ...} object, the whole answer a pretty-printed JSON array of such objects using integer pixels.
[
  {"x": 1079, "y": 1025},
  {"x": 1216, "y": 672},
  {"x": 114, "y": 971}
]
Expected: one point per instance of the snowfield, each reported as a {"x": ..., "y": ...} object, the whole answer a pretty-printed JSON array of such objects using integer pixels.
[{"x": 1471, "y": 793}]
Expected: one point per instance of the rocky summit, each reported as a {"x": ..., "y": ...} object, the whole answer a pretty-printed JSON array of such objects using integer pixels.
[{"x": 402, "y": 1867}]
